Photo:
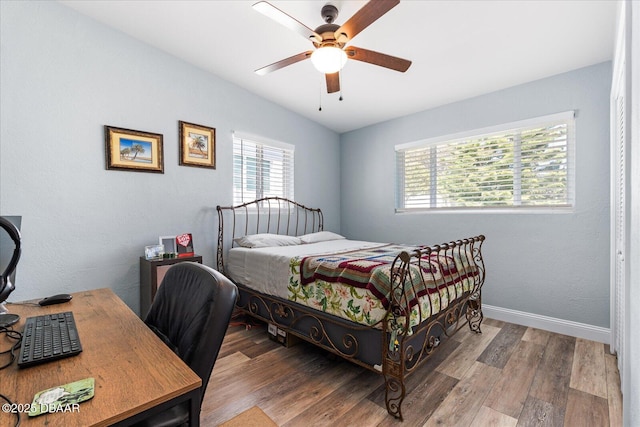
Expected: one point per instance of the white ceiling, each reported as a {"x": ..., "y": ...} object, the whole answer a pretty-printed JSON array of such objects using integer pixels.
[{"x": 459, "y": 49}]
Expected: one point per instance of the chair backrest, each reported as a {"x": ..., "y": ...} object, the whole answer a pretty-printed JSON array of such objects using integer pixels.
[{"x": 191, "y": 312}]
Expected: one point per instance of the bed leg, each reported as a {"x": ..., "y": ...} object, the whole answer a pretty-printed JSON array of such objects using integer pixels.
[
  {"x": 395, "y": 389},
  {"x": 474, "y": 314}
]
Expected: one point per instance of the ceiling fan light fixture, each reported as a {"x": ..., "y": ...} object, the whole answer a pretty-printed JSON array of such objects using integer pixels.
[{"x": 329, "y": 59}]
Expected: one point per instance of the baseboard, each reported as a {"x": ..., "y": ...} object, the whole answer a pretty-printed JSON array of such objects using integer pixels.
[{"x": 559, "y": 326}]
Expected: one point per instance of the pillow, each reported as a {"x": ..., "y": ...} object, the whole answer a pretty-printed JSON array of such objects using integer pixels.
[
  {"x": 320, "y": 236},
  {"x": 265, "y": 240}
]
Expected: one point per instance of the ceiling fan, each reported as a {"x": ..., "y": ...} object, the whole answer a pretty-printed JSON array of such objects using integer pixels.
[{"x": 330, "y": 40}]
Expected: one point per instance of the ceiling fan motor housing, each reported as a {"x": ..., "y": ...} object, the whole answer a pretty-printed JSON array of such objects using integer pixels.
[{"x": 327, "y": 32}]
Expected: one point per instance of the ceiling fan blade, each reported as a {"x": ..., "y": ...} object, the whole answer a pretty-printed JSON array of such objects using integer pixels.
[
  {"x": 377, "y": 58},
  {"x": 291, "y": 23},
  {"x": 333, "y": 82},
  {"x": 364, "y": 17},
  {"x": 283, "y": 63}
]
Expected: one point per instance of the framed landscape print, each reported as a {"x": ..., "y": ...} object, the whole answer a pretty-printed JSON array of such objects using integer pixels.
[
  {"x": 197, "y": 145},
  {"x": 133, "y": 150}
]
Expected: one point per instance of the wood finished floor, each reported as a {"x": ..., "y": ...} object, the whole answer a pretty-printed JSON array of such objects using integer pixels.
[{"x": 509, "y": 375}]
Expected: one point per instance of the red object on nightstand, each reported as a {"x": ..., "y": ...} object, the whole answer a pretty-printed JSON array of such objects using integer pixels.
[{"x": 184, "y": 245}]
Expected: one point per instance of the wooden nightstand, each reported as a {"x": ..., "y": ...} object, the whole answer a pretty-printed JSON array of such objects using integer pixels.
[{"x": 151, "y": 274}]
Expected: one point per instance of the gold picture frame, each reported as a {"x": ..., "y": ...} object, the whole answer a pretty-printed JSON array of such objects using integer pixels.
[
  {"x": 133, "y": 150},
  {"x": 197, "y": 145}
]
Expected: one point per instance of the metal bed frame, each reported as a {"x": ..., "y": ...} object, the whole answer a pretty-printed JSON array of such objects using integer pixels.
[{"x": 392, "y": 347}]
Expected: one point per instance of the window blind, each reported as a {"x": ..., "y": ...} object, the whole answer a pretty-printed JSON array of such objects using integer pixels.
[
  {"x": 261, "y": 169},
  {"x": 524, "y": 164}
]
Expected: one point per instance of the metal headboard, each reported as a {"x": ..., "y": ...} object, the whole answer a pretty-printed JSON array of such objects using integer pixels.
[{"x": 275, "y": 215}]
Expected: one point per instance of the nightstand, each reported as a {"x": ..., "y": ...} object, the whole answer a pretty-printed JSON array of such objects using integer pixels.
[{"x": 151, "y": 274}]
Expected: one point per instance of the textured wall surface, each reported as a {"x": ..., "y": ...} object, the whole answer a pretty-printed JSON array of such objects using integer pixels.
[{"x": 551, "y": 264}]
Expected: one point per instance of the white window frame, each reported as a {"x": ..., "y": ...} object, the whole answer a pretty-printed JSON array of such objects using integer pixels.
[
  {"x": 285, "y": 178},
  {"x": 567, "y": 116}
]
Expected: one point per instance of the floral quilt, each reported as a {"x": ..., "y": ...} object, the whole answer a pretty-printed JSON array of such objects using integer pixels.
[{"x": 355, "y": 285}]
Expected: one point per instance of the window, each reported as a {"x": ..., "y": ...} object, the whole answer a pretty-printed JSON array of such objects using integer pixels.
[
  {"x": 261, "y": 169},
  {"x": 525, "y": 164}
]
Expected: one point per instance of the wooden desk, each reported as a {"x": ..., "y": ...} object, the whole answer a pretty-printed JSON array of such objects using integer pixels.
[{"x": 135, "y": 373}]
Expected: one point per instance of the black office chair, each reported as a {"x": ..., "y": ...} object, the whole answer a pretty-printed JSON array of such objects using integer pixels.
[{"x": 190, "y": 313}]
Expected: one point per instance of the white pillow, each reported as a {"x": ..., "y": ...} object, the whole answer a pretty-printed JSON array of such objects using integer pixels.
[
  {"x": 320, "y": 236},
  {"x": 266, "y": 240}
]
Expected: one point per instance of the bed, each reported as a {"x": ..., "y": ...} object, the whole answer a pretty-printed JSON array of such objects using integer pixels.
[{"x": 384, "y": 306}]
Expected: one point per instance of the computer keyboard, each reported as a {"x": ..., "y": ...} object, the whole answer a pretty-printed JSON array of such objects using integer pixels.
[{"x": 48, "y": 337}]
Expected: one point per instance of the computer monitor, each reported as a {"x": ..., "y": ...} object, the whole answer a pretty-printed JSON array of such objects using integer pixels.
[{"x": 10, "y": 248}]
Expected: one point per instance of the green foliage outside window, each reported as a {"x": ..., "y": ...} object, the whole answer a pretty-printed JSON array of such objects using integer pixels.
[{"x": 525, "y": 167}]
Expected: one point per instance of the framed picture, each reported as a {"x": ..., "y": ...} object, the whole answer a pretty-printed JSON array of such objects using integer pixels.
[
  {"x": 197, "y": 145},
  {"x": 133, "y": 150},
  {"x": 184, "y": 244},
  {"x": 153, "y": 251},
  {"x": 169, "y": 243}
]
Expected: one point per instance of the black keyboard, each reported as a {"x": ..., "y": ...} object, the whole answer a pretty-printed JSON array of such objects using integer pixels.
[{"x": 48, "y": 337}]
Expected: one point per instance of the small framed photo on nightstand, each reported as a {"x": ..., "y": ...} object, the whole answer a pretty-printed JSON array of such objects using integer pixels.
[
  {"x": 153, "y": 252},
  {"x": 184, "y": 245},
  {"x": 169, "y": 243}
]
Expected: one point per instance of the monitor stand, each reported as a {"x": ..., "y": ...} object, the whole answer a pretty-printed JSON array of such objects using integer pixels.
[{"x": 7, "y": 320}]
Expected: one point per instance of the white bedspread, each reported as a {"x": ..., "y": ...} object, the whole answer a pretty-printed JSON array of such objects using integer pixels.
[{"x": 267, "y": 269}]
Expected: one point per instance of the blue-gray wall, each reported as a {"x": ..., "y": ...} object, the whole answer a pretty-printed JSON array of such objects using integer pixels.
[
  {"x": 551, "y": 264},
  {"x": 65, "y": 76}
]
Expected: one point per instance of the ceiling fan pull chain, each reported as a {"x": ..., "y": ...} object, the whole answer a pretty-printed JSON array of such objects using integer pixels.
[
  {"x": 320, "y": 97},
  {"x": 340, "y": 83}
]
